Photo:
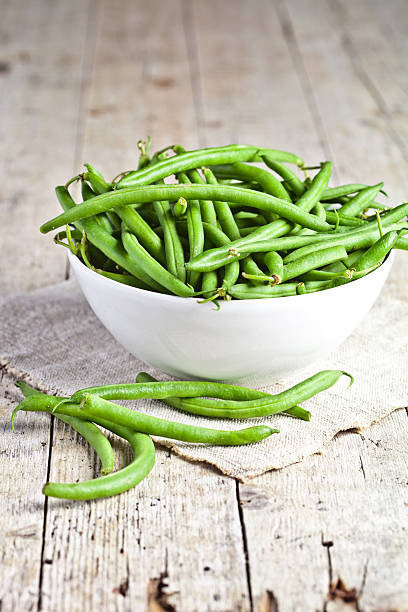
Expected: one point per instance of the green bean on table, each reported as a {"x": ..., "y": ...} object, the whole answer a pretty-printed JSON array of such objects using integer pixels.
[
  {"x": 88, "y": 430},
  {"x": 96, "y": 407},
  {"x": 267, "y": 406},
  {"x": 166, "y": 389},
  {"x": 198, "y": 405},
  {"x": 107, "y": 485}
]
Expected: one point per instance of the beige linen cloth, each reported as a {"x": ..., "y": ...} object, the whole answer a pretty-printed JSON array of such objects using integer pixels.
[{"x": 52, "y": 338}]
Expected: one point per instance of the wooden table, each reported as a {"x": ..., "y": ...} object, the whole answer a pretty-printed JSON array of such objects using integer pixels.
[{"x": 83, "y": 81}]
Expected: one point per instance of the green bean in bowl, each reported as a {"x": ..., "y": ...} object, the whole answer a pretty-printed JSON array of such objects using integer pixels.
[{"x": 227, "y": 227}]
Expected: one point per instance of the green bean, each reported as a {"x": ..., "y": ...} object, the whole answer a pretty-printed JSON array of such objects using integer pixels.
[
  {"x": 144, "y": 159},
  {"x": 182, "y": 404},
  {"x": 349, "y": 240},
  {"x": 124, "y": 279},
  {"x": 245, "y": 172},
  {"x": 235, "y": 251},
  {"x": 273, "y": 261},
  {"x": 375, "y": 255},
  {"x": 251, "y": 269},
  {"x": 106, "y": 243},
  {"x": 312, "y": 261},
  {"x": 246, "y": 231},
  {"x": 361, "y": 201},
  {"x": 288, "y": 175},
  {"x": 88, "y": 193},
  {"x": 172, "y": 243},
  {"x": 207, "y": 206},
  {"x": 402, "y": 243},
  {"x": 261, "y": 278},
  {"x": 319, "y": 183},
  {"x": 310, "y": 198},
  {"x": 150, "y": 193},
  {"x": 95, "y": 406},
  {"x": 333, "y": 193},
  {"x": 180, "y": 208},
  {"x": 153, "y": 268},
  {"x": 143, "y": 232},
  {"x": 316, "y": 275},
  {"x": 243, "y": 291},
  {"x": 393, "y": 215},
  {"x": 202, "y": 157},
  {"x": 344, "y": 219},
  {"x": 247, "y": 292},
  {"x": 244, "y": 218},
  {"x": 118, "y": 482},
  {"x": 98, "y": 183},
  {"x": 301, "y": 289},
  {"x": 231, "y": 229},
  {"x": 217, "y": 237},
  {"x": 319, "y": 211},
  {"x": 163, "y": 390},
  {"x": 195, "y": 230},
  {"x": 86, "y": 429},
  {"x": 112, "y": 484},
  {"x": 223, "y": 211},
  {"x": 209, "y": 284}
]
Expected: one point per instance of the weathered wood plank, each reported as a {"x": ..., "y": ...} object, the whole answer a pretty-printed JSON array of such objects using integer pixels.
[
  {"x": 41, "y": 82},
  {"x": 358, "y": 132},
  {"x": 41, "y": 79},
  {"x": 163, "y": 69},
  {"x": 251, "y": 88},
  {"x": 161, "y": 544},
  {"x": 304, "y": 509},
  {"x": 23, "y": 470},
  {"x": 140, "y": 85},
  {"x": 340, "y": 515}
]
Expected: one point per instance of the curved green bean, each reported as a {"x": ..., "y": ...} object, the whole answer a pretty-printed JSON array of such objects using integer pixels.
[
  {"x": 202, "y": 157},
  {"x": 237, "y": 250},
  {"x": 89, "y": 431},
  {"x": 165, "y": 389},
  {"x": 266, "y": 406},
  {"x": 106, "y": 243},
  {"x": 153, "y": 268},
  {"x": 245, "y": 172},
  {"x": 312, "y": 261},
  {"x": 95, "y": 406},
  {"x": 182, "y": 404},
  {"x": 361, "y": 201},
  {"x": 150, "y": 193}
]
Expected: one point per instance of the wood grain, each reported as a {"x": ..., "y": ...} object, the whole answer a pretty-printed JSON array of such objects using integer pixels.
[
  {"x": 323, "y": 78},
  {"x": 339, "y": 516},
  {"x": 43, "y": 46}
]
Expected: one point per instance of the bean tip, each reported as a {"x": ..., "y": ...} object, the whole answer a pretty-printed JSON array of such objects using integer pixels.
[{"x": 350, "y": 377}]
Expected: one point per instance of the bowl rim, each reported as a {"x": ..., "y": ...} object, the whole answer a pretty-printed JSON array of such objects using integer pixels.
[{"x": 75, "y": 261}]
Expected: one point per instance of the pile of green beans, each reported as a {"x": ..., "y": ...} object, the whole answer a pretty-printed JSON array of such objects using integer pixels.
[
  {"x": 89, "y": 408},
  {"x": 222, "y": 227}
]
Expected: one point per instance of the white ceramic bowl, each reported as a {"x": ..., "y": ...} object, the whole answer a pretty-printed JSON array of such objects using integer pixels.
[{"x": 245, "y": 339}]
